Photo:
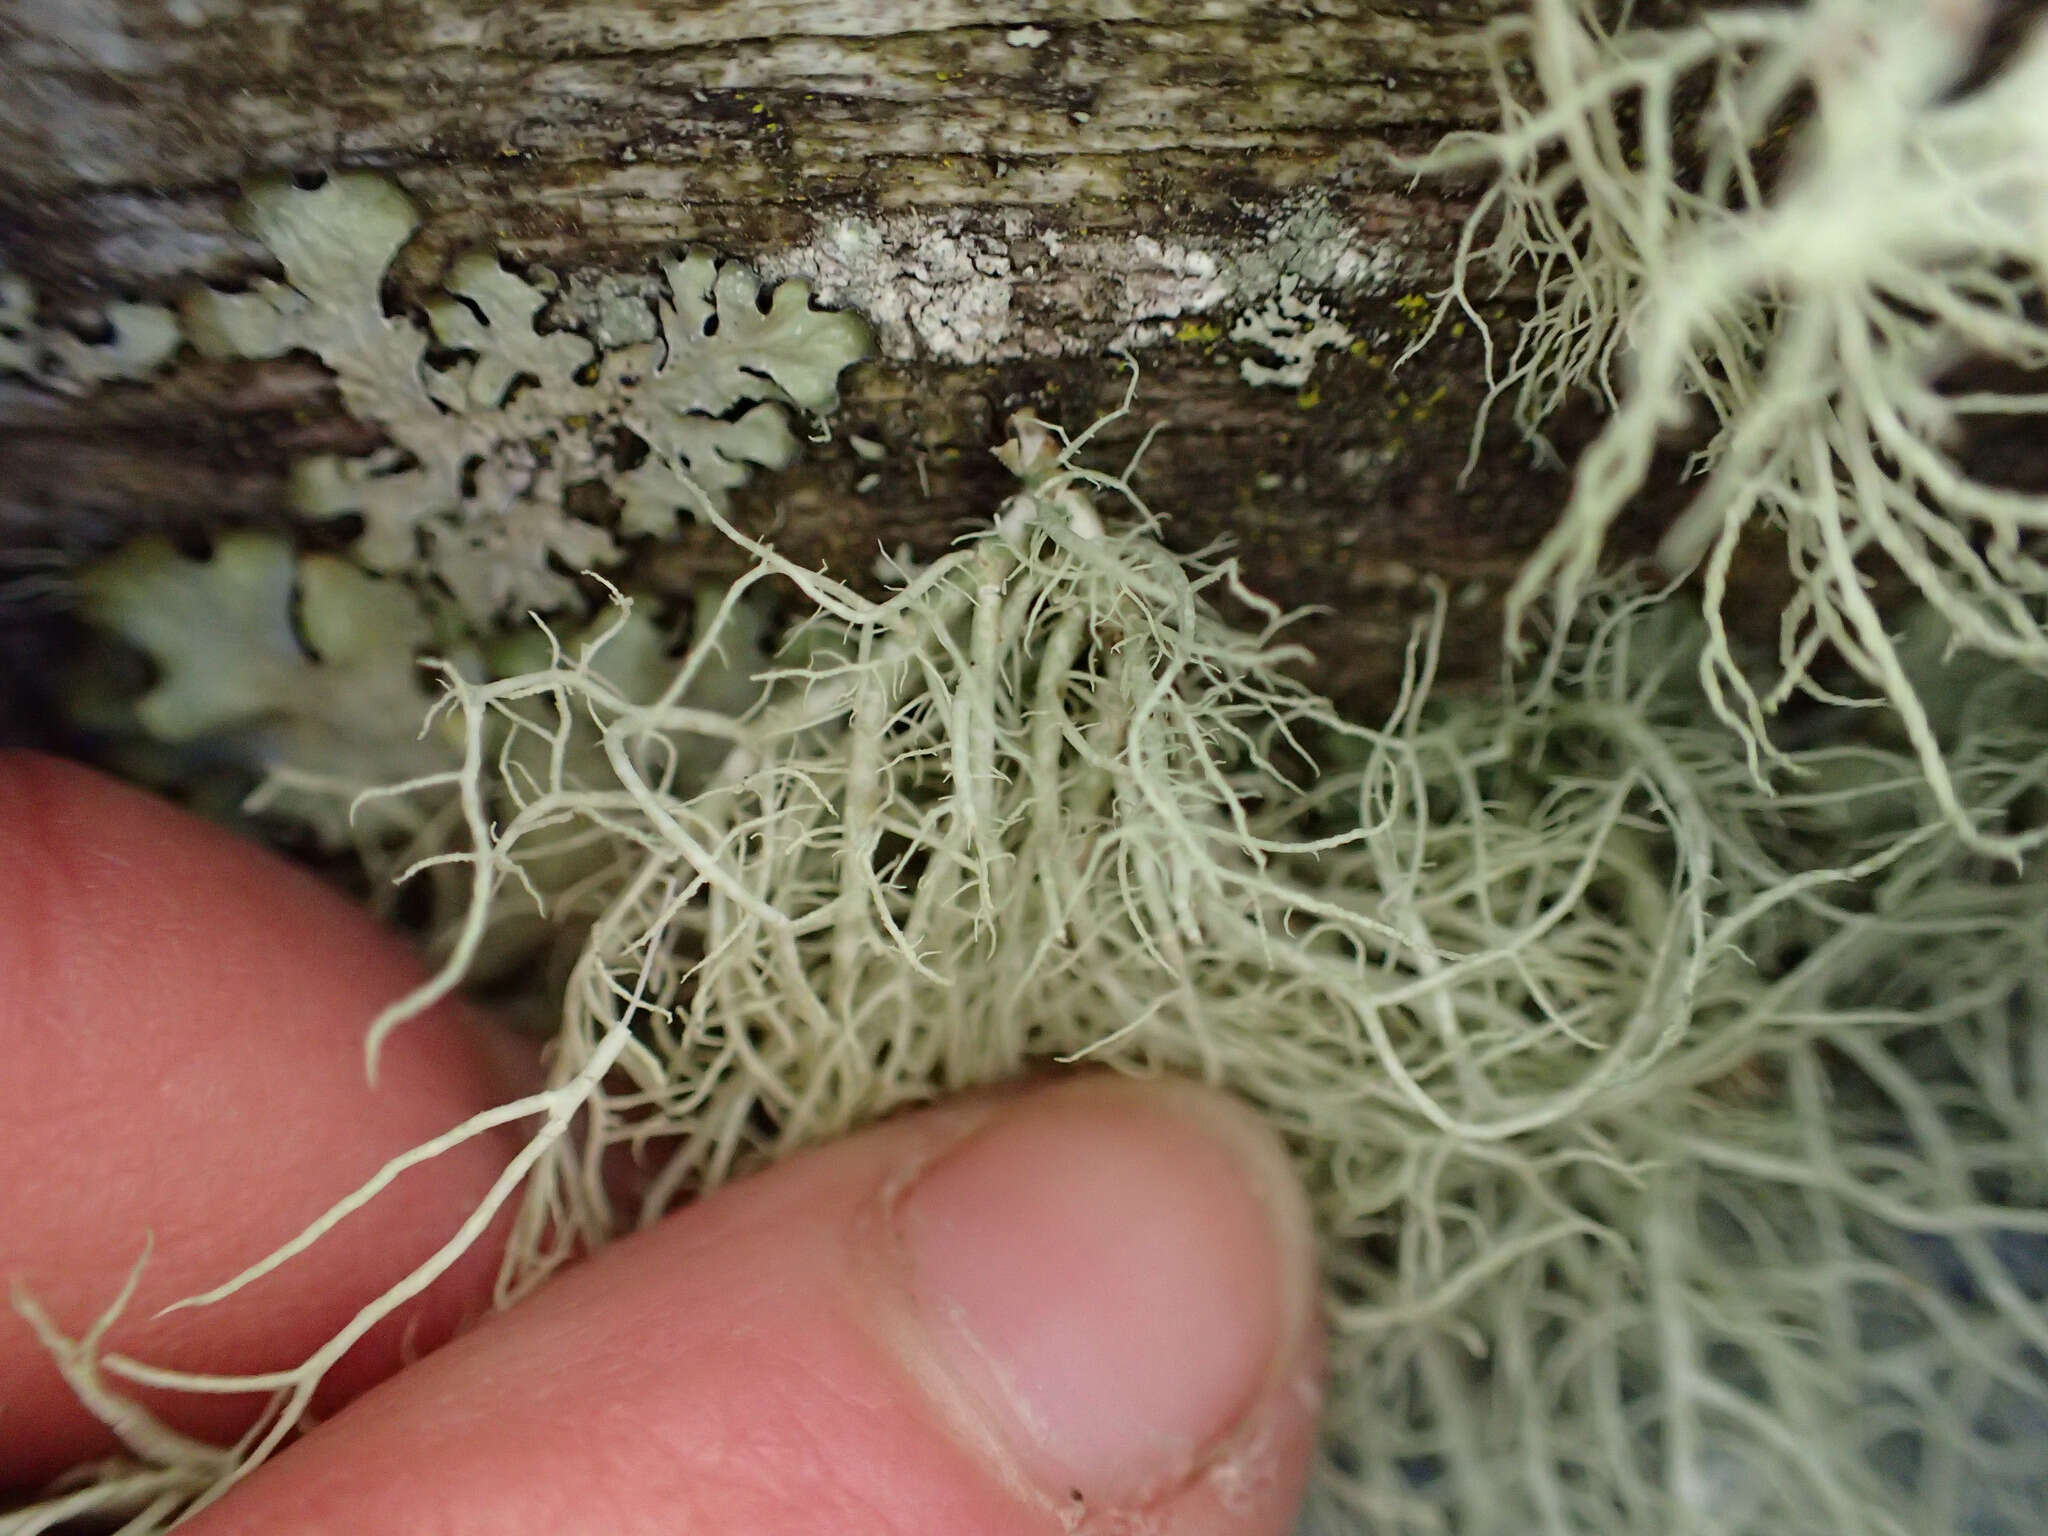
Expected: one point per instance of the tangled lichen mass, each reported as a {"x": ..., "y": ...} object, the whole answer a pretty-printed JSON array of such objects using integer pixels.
[
  {"x": 1673, "y": 1099},
  {"x": 1813, "y": 287},
  {"x": 1675, "y": 1146}
]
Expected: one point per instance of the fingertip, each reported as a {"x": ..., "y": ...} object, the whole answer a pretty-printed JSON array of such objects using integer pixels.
[
  {"x": 1119, "y": 1280},
  {"x": 181, "y": 1017},
  {"x": 1088, "y": 1304},
  {"x": 1115, "y": 1272}
]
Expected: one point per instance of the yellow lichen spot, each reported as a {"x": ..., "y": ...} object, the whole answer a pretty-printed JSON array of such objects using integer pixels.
[
  {"x": 1426, "y": 408},
  {"x": 1457, "y": 328},
  {"x": 1309, "y": 399},
  {"x": 1198, "y": 331},
  {"x": 758, "y": 107},
  {"x": 1413, "y": 305}
]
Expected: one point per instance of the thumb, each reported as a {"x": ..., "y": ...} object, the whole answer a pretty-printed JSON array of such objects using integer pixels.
[{"x": 1086, "y": 1305}]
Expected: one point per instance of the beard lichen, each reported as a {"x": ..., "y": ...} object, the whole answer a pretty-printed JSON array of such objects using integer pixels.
[
  {"x": 1675, "y": 1147},
  {"x": 1837, "y": 296}
]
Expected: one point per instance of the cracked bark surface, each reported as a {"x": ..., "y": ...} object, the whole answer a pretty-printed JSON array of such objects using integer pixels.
[{"x": 1007, "y": 191}]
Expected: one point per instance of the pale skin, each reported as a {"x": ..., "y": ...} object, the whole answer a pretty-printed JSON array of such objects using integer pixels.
[{"x": 1086, "y": 1304}]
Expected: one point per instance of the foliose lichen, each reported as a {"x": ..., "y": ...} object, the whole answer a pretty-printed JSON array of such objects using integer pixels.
[
  {"x": 140, "y": 339},
  {"x": 278, "y": 663},
  {"x": 304, "y": 672},
  {"x": 493, "y": 418}
]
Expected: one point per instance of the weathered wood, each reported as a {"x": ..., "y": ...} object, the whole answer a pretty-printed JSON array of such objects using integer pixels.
[{"x": 1007, "y": 192}]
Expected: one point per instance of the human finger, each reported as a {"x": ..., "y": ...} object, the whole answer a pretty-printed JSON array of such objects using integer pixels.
[
  {"x": 1081, "y": 1306},
  {"x": 181, "y": 1027}
]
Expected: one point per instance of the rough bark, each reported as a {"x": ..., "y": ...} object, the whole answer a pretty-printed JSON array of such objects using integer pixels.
[{"x": 1006, "y": 191}]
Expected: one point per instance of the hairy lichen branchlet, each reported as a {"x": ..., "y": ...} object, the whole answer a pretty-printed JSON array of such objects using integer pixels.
[
  {"x": 474, "y": 489},
  {"x": 1807, "y": 312}
]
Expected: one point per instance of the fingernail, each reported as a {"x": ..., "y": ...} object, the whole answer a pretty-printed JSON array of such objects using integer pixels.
[{"x": 1114, "y": 1274}]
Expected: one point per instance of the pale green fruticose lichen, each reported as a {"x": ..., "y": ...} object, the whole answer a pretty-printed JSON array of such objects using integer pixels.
[
  {"x": 1669, "y": 1141},
  {"x": 486, "y": 449},
  {"x": 1811, "y": 309}
]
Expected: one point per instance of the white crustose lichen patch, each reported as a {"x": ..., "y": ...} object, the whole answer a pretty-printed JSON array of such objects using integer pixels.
[
  {"x": 958, "y": 288},
  {"x": 1295, "y": 328}
]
